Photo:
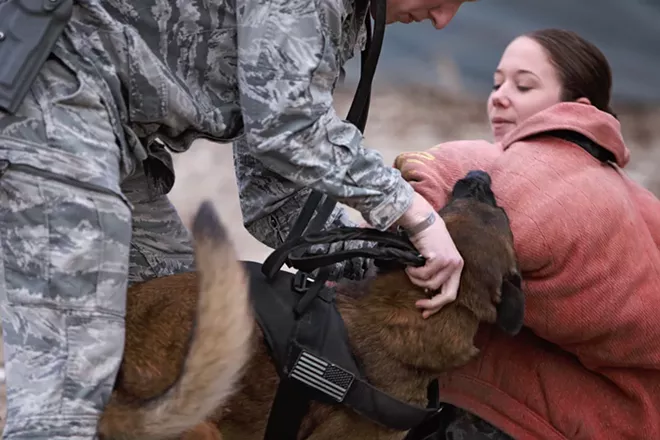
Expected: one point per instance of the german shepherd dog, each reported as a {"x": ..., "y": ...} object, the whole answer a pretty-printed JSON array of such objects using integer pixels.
[{"x": 196, "y": 367}]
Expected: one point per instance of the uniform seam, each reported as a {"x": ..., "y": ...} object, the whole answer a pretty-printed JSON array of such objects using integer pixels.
[
  {"x": 48, "y": 236},
  {"x": 66, "y": 383},
  {"x": 146, "y": 258},
  {"x": 102, "y": 251},
  {"x": 92, "y": 312}
]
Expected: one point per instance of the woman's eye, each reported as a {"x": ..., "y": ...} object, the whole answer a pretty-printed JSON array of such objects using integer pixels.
[
  {"x": 496, "y": 86},
  {"x": 524, "y": 89}
]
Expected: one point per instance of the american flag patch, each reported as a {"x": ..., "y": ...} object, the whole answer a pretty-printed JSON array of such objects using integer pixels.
[{"x": 321, "y": 375}]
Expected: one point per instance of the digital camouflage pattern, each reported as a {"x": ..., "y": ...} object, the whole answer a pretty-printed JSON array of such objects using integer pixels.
[
  {"x": 467, "y": 426},
  {"x": 65, "y": 242},
  {"x": 265, "y": 72},
  {"x": 65, "y": 232},
  {"x": 281, "y": 201},
  {"x": 83, "y": 200},
  {"x": 65, "y": 258},
  {"x": 457, "y": 424}
]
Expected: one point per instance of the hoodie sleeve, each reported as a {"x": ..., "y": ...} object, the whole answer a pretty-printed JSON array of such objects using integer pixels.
[
  {"x": 289, "y": 57},
  {"x": 433, "y": 172}
]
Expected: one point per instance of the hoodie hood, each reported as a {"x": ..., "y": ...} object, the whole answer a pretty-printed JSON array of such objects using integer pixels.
[{"x": 599, "y": 126}]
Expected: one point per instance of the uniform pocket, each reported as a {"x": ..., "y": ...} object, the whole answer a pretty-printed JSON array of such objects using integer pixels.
[
  {"x": 148, "y": 98},
  {"x": 80, "y": 139},
  {"x": 64, "y": 247}
]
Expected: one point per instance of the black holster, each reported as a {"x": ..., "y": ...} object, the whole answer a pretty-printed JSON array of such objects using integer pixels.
[{"x": 29, "y": 30}]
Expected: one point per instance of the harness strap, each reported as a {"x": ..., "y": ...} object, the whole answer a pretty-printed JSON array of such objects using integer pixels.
[
  {"x": 396, "y": 247},
  {"x": 312, "y": 292},
  {"x": 342, "y": 386},
  {"x": 582, "y": 141},
  {"x": 287, "y": 411},
  {"x": 308, "y": 264},
  {"x": 385, "y": 409},
  {"x": 293, "y": 397}
]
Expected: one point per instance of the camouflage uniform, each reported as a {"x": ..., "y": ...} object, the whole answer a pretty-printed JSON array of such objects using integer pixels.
[
  {"x": 270, "y": 205},
  {"x": 467, "y": 426},
  {"x": 457, "y": 424},
  {"x": 83, "y": 180}
]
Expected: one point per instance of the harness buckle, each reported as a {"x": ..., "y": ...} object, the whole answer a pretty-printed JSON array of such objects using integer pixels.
[{"x": 301, "y": 282}]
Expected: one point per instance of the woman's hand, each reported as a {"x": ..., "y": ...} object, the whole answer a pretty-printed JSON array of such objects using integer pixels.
[{"x": 444, "y": 264}]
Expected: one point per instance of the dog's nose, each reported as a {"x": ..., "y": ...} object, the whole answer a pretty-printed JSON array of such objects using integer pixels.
[{"x": 479, "y": 175}]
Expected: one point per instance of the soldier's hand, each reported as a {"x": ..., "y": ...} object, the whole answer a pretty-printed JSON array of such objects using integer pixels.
[{"x": 444, "y": 264}]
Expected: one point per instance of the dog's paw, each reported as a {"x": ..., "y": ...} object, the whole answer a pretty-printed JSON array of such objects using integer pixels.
[{"x": 464, "y": 356}]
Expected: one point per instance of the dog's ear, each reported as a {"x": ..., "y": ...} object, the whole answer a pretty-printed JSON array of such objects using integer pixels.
[{"x": 511, "y": 309}]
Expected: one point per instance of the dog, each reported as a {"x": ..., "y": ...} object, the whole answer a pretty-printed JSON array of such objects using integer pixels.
[{"x": 215, "y": 379}]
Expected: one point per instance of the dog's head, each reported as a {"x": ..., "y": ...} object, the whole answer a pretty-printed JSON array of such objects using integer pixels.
[
  {"x": 474, "y": 186},
  {"x": 490, "y": 286},
  {"x": 490, "y": 282}
]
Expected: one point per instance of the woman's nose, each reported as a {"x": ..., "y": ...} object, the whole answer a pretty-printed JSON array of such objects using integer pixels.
[{"x": 499, "y": 98}]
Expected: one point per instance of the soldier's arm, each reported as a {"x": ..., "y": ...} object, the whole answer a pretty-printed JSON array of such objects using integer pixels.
[
  {"x": 270, "y": 205},
  {"x": 287, "y": 67}
]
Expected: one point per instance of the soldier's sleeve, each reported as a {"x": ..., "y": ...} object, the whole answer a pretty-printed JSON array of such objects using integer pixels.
[
  {"x": 270, "y": 205},
  {"x": 287, "y": 66}
]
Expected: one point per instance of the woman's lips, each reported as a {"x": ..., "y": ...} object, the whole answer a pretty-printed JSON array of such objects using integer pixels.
[{"x": 500, "y": 126}]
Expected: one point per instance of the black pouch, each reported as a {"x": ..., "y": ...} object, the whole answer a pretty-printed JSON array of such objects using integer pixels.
[{"x": 29, "y": 30}]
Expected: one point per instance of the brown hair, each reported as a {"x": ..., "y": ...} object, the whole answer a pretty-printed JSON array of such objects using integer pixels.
[{"x": 582, "y": 68}]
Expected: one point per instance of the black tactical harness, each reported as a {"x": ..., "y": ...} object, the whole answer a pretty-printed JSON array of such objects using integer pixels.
[{"x": 308, "y": 341}]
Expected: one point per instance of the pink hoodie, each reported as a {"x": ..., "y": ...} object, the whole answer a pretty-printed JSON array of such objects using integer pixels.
[{"x": 587, "y": 365}]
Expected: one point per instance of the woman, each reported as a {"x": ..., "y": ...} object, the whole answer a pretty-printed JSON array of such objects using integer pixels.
[{"x": 587, "y": 365}]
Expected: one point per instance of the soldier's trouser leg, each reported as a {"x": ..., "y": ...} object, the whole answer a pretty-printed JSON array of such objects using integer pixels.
[
  {"x": 65, "y": 230},
  {"x": 161, "y": 245}
]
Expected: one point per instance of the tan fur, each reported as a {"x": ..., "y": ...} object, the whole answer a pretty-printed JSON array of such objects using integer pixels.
[
  {"x": 186, "y": 342},
  {"x": 400, "y": 351}
]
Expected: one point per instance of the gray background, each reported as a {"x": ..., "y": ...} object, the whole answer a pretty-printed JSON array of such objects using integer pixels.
[{"x": 627, "y": 31}]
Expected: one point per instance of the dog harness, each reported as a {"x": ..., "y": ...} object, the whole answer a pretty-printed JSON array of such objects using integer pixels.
[{"x": 307, "y": 338}]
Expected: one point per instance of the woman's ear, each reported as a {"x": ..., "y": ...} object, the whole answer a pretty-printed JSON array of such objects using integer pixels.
[{"x": 583, "y": 100}]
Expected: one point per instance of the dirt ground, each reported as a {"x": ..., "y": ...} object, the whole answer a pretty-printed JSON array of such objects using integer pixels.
[{"x": 400, "y": 120}]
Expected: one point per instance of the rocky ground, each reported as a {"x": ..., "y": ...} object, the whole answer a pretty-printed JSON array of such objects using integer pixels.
[{"x": 401, "y": 119}]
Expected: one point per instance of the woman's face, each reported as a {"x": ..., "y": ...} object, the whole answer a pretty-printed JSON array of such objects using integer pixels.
[{"x": 524, "y": 84}]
